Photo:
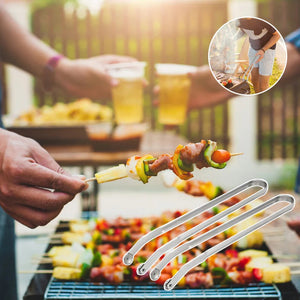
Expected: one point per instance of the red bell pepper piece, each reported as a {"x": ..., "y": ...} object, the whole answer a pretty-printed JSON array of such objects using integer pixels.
[
  {"x": 231, "y": 253},
  {"x": 257, "y": 274}
]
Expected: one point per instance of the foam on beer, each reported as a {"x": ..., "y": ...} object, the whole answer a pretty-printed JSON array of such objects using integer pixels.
[{"x": 127, "y": 71}]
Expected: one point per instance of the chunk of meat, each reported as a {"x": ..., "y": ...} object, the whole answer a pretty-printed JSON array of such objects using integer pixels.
[
  {"x": 199, "y": 279},
  {"x": 163, "y": 162},
  {"x": 190, "y": 153}
]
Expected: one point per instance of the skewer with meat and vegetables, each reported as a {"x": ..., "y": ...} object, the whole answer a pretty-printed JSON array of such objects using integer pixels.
[
  {"x": 203, "y": 154},
  {"x": 104, "y": 264}
]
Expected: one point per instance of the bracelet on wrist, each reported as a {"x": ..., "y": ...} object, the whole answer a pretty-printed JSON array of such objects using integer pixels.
[
  {"x": 48, "y": 72},
  {"x": 263, "y": 50}
]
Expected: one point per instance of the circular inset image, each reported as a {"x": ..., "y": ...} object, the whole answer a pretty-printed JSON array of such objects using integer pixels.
[{"x": 247, "y": 55}]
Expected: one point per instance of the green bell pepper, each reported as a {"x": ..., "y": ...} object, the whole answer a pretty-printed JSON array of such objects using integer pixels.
[
  {"x": 147, "y": 170},
  {"x": 209, "y": 150},
  {"x": 97, "y": 259},
  {"x": 85, "y": 271},
  {"x": 183, "y": 166}
]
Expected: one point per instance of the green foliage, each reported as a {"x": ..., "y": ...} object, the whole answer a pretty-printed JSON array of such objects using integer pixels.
[{"x": 287, "y": 178}]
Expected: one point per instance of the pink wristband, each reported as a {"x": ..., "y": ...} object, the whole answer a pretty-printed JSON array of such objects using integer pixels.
[{"x": 48, "y": 73}]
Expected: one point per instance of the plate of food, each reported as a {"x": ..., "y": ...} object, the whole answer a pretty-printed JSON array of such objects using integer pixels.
[{"x": 82, "y": 122}]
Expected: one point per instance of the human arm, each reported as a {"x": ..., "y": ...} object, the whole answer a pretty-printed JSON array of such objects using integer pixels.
[
  {"x": 205, "y": 90},
  {"x": 271, "y": 42},
  {"x": 33, "y": 187},
  {"x": 81, "y": 77}
]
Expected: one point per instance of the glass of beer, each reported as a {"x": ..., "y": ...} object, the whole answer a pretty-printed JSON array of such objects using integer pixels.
[
  {"x": 174, "y": 88},
  {"x": 128, "y": 93}
]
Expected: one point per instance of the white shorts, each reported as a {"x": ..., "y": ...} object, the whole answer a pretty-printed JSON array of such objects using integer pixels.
[{"x": 265, "y": 66}]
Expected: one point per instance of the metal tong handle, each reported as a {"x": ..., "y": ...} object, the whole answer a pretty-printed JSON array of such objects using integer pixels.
[
  {"x": 144, "y": 268},
  {"x": 171, "y": 283},
  {"x": 249, "y": 69},
  {"x": 129, "y": 256}
]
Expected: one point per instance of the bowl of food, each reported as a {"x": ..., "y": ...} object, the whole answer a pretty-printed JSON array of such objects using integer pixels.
[
  {"x": 107, "y": 137},
  {"x": 61, "y": 123}
]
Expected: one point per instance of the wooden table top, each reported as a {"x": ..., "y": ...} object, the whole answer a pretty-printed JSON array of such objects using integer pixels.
[{"x": 154, "y": 142}]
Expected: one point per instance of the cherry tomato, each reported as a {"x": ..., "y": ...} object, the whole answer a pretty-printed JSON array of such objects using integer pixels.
[
  {"x": 220, "y": 156},
  {"x": 224, "y": 83},
  {"x": 229, "y": 80}
]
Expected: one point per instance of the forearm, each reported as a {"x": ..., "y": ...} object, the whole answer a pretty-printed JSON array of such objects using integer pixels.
[
  {"x": 21, "y": 48},
  {"x": 292, "y": 69},
  {"x": 272, "y": 41}
]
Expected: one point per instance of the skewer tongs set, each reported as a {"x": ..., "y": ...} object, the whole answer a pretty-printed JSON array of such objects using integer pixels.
[{"x": 183, "y": 242}]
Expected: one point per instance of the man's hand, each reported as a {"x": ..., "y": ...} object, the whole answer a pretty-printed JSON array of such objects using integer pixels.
[
  {"x": 261, "y": 55},
  {"x": 33, "y": 187},
  {"x": 87, "y": 77},
  {"x": 205, "y": 91}
]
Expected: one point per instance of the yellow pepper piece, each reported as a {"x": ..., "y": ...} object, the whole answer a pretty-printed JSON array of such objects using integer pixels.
[
  {"x": 179, "y": 172},
  {"x": 140, "y": 168}
]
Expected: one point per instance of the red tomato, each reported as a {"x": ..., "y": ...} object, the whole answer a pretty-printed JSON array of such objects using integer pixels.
[
  {"x": 177, "y": 214},
  {"x": 220, "y": 156},
  {"x": 229, "y": 80},
  {"x": 224, "y": 83},
  {"x": 138, "y": 222},
  {"x": 231, "y": 253},
  {"x": 257, "y": 274},
  {"x": 243, "y": 261},
  {"x": 118, "y": 231},
  {"x": 163, "y": 277}
]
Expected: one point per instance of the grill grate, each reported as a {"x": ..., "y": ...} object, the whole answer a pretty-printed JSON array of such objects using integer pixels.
[{"x": 87, "y": 290}]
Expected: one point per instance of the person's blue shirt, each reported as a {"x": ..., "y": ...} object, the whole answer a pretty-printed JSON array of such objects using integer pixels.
[{"x": 294, "y": 38}]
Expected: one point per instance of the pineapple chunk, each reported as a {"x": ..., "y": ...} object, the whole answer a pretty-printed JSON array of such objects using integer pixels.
[
  {"x": 79, "y": 226},
  {"x": 277, "y": 273},
  {"x": 179, "y": 184},
  {"x": 59, "y": 250},
  {"x": 253, "y": 253},
  {"x": 106, "y": 261},
  {"x": 72, "y": 237},
  {"x": 63, "y": 273},
  {"x": 259, "y": 262},
  {"x": 111, "y": 174},
  {"x": 252, "y": 240},
  {"x": 66, "y": 260}
]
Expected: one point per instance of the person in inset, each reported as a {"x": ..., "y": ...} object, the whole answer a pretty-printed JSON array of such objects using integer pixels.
[
  {"x": 205, "y": 91},
  {"x": 263, "y": 38},
  {"x": 27, "y": 171}
]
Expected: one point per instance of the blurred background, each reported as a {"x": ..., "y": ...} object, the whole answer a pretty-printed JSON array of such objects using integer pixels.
[{"x": 265, "y": 127}]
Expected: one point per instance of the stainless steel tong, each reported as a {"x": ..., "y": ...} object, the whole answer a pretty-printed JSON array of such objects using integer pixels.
[{"x": 171, "y": 250}]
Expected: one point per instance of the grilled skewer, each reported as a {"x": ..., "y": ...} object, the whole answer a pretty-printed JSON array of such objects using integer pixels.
[{"x": 203, "y": 154}]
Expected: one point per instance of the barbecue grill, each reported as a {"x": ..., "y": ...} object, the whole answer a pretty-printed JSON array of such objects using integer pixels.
[
  {"x": 44, "y": 287},
  {"x": 86, "y": 290}
]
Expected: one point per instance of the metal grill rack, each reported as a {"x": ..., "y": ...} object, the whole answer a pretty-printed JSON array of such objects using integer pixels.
[{"x": 87, "y": 290}]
